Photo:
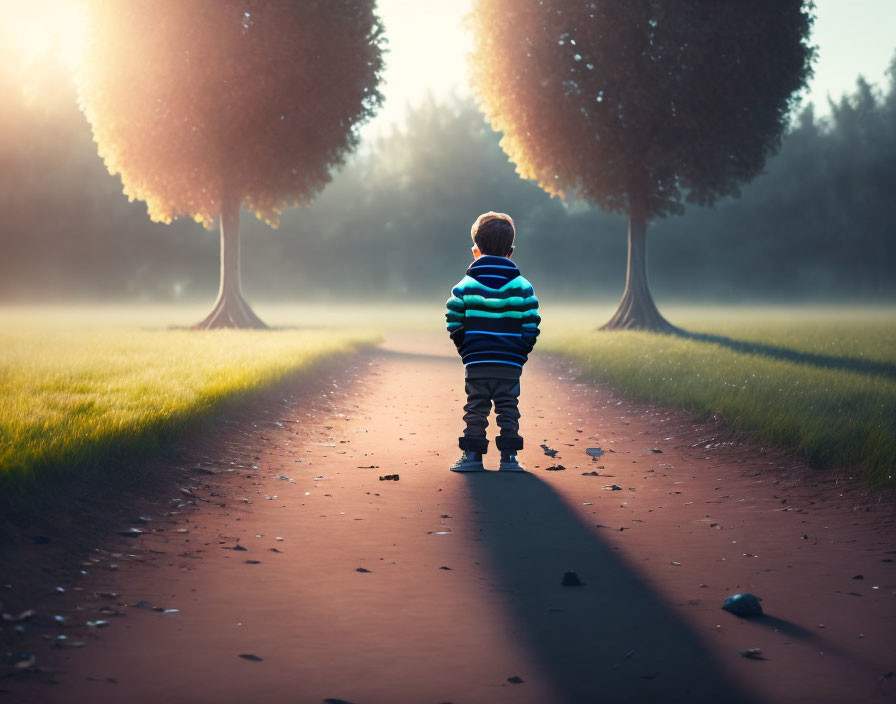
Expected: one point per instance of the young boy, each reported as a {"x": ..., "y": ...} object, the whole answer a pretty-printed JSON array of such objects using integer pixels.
[{"x": 493, "y": 319}]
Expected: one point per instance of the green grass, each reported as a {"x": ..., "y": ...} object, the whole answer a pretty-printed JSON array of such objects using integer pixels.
[
  {"x": 81, "y": 385},
  {"x": 836, "y": 417}
]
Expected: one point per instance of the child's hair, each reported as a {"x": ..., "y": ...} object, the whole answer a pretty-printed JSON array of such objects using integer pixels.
[{"x": 493, "y": 233}]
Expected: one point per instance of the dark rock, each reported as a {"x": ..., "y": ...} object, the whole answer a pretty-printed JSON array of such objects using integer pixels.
[
  {"x": 593, "y": 452},
  {"x": 859, "y": 576},
  {"x": 555, "y": 468},
  {"x": 753, "y": 653},
  {"x": 251, "y": 657},
  {"x": 131, "y": 532},
  {"x": 515, "y": 679},
  {"x": 362, "y": 569},
  {"x": 743, "y": 605},
  {"x": 571, "y": 579}
]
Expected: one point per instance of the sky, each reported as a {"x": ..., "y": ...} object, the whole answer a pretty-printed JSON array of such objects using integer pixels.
[
  {"x": 428, "y": 50},
  {"x": 428, "y": 47}
]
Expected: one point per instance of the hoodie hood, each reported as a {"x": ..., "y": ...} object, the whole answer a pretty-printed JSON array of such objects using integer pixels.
[{"x": 493, "y": 272}]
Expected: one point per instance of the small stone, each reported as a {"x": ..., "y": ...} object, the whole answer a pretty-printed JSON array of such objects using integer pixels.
[
  {"x": 251, "y": 657},
  {"x": 571, "y": 579},
  {"x": 515, "y": 680},
  {"x": 362, "y": 569},
  {"x": 26, "y": 663},
  {"x": 753, "y": 653},
  {"x": 131, "y": 532},
  {"x": 743, "y": 605},
  {"x": 859, "y": 576}
]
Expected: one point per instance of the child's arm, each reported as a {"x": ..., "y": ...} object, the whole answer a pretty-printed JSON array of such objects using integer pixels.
[
  {"x": 531, "y": 319},
  {"x": 455, "y": 316}
]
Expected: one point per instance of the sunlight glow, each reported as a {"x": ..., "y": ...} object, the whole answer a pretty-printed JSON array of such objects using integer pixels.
[{"x": 37, "y": 29}]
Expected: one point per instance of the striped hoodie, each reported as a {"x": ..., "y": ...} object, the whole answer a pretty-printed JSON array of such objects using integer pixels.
[{"x": 493, "y": 318}]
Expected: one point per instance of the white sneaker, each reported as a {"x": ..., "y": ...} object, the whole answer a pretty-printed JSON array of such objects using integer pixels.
[{"x": 509, "y": 463}]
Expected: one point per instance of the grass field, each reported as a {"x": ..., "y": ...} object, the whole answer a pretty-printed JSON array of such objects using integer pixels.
[
  {"x": 820, "y": 381},
  {"x": 78, "y": 385}
]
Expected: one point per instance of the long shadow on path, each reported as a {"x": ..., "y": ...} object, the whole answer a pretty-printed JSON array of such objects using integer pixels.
[
  {"x": 612, "y": 640},
  {"x": 824, "y": 361}
]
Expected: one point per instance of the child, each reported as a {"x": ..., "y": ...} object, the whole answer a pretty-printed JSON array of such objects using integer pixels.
[{"x": 493, "y": 319}]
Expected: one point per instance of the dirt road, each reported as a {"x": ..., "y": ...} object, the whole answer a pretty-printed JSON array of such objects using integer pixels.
[{"x": 447, "y": 588}]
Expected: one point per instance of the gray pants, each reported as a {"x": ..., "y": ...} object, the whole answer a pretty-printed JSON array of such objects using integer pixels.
[{"x": 480, "y": 395}]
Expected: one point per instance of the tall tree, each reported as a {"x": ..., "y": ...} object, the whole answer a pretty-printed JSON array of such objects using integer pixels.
[
  {"x": 639, "y": 105},
  {"x": 207, "y": 106}
]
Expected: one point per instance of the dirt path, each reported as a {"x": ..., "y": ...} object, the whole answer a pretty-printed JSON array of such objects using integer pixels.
[{"x": 462, "y": 595}]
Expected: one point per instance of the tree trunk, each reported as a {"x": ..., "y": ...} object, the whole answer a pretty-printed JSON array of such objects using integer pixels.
[
  {"x": 637, "y": 311},
  {"x": 231, "y": 309}
]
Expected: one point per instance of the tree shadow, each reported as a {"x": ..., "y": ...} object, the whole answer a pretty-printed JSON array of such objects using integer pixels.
[
  {"x": 612, "y": 640},
  {"x": 862, "y": 366}
]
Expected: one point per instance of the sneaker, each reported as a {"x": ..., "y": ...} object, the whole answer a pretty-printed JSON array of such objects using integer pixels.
[
  {"x": 469, "y": 461},
  {"x": 509, "y": 463}
]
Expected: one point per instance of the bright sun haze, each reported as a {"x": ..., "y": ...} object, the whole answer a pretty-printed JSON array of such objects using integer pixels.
[
  {"x": 35, "y": 26},
  {"x": 428, "y": 46}
]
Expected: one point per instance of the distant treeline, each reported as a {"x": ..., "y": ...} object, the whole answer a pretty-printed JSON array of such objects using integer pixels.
[{"x": 819, "y": 224}]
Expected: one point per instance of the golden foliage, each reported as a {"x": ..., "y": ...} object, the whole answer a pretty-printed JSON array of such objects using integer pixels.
[{"x": 191, "y": 101}]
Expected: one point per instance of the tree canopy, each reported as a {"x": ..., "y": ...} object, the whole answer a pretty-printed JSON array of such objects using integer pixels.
[
  {"x": 191, "y": 99},
  {"x": 637, "y": 103}
]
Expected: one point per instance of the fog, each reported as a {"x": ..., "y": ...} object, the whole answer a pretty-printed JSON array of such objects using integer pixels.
[{"x": 818, "y": 225}]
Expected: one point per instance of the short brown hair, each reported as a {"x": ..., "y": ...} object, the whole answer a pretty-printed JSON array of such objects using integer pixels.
[{"x": 493, "y": 233}]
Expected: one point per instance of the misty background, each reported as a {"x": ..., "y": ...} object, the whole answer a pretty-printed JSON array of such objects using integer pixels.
[{"x": 819, "y": 224}]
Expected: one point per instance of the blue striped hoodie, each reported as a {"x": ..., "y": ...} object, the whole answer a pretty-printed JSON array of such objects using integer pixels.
[{"x": 493, "y": 318}]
